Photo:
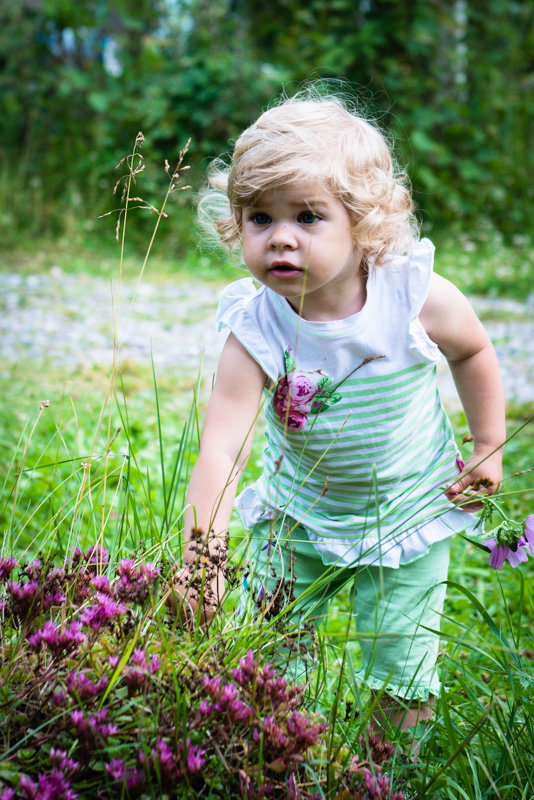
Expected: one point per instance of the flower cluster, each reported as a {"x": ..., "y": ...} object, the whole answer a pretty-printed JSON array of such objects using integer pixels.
[
  {"x": 7, "y": 565},
  {"x": 102, "y": 612},
  {"x": 58, "y": 641},
  {"x": 137, "y": 678},
  {"x": 134, "y": 583},
  {"x": 54, "y": 785},
  {"x": 94, "y": 730},
  {"x": 373, "y": 783},
  {"x": 82, "y": 688},
  {"x": 39, "y": 588},
  {"x": 266, "y": 709},
  {"x": 131, "y": 708}
]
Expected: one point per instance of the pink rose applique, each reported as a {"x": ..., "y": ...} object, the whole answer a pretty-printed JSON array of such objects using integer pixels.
[{"x": 293, "y": 399}]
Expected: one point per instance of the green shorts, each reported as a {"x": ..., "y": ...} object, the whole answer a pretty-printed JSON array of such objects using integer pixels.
[{"x": 396, "y": 612}]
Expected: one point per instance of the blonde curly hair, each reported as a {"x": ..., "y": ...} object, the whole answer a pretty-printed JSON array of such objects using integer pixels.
[{"x": 320, "y": 139}]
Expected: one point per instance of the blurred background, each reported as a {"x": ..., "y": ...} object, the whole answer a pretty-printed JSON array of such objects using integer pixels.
[{"x": 451, "y": 80}]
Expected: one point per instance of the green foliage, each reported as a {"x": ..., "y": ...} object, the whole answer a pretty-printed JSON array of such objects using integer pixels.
[{"x": 452, "y": 82}]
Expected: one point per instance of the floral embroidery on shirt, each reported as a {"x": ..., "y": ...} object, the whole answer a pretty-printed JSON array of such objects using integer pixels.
[{"x": 296, "y": 394}]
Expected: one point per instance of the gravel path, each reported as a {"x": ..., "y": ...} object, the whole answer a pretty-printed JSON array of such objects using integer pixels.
[{"x": 68, "y": 319}]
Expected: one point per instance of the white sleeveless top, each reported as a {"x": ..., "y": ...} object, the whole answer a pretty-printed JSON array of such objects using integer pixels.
[{"x": 357, "y": 450}]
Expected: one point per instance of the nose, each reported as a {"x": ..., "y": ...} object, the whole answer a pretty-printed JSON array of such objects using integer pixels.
[{"x": 282, "y": 237}]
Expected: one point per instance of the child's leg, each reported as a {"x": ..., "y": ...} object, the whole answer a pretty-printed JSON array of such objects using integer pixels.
[
  {"x": 397, "y": 614},
  {"x": 400, "y": 713}
]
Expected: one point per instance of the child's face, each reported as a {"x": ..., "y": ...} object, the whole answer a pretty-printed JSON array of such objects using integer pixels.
[{"x": 297, "y": 240}]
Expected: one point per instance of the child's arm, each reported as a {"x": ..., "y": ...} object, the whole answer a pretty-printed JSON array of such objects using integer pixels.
[
  {"x": 225, "y": 446},
  {"x": 450, "y": 321}
]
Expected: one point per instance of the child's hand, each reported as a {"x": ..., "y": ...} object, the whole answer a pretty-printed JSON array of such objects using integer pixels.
[
  {"x": 186, "y": 589},
  {"x": 480, "y": 476},
  {"x": 199, "y": 582}
]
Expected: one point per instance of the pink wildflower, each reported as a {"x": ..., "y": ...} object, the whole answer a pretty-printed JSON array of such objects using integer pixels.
[
  {"x": 61, "y": 760},
  {"x": 195, "y": 757},
  {"x": 102, "y": 584},
  {"x": 133, "y": 779},
  {"x": 528, "y": 535},
  {"x": 80, "y": 687},
  {"x": 58, "y": 641},
  {"x": 102, "y": 613},
  {"x": 93, "y": 729},
  {"x": 7, "y": 565},
  {"x": 499, "y": 553},
  {"x": 134, "y": 583}
]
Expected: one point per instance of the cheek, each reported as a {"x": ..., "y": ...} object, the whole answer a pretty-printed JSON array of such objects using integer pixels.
[{"x": 250, "y": 251}]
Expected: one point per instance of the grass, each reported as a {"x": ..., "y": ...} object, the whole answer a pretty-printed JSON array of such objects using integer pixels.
[
  {"x": 481, "y": 262},
  {"x": 480, "y": 742}
]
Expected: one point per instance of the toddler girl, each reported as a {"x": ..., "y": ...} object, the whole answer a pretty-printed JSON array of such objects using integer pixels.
[{"x": 341, "y": 340}]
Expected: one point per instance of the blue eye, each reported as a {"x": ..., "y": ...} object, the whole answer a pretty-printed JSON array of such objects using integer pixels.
[
  {"x": 308, "y": 218},
  {"x": 260, "y": 218}
]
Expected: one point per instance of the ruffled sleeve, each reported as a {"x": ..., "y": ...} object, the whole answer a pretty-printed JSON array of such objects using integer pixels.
[
  {"x": 242, "y": 309},
  {"x": 420, "y": 267}
]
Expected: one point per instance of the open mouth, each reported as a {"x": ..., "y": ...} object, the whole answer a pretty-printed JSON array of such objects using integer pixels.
[{"x": 284, "y": 270}]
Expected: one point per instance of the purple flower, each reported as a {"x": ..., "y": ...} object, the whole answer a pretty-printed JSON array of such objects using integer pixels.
[
  {"x": 274, "y": 735},
  {"x": 528, "y": 534},
  {"x": 164, "y": 755},
  {"x": 96, "y": 557},
  {"x": 102, "y": 584},
  {"x": 80, "y": 687},
  {"x": 135, "y": 680},
  {"x": 34, "y": 569},
  {"x": 509, "y": 541},
  {"x": 24, "y": 596},
  {"x": 293, "y": 792},
  {"x": 499, "y": 553},
  {"x": 247, "y": 669},
  {"x": 303, "y": 731},
  {"x": 94, "y": 729},
  {"x": 133, "y": 779},
  {"x": 195, "y": 757},
  {"x": 155, "y": 665},
  {"x": 54, "y": 786},
  {"x": 134, "y": 583},
  {"x": 7, "y": 565},
  {"x": 205, "y": 707},
  {"x": 116, "y": 769},
  {"x": 139, "y": 658},
  {"x": 28, "y": 786},
  {"x": 377, "y": 787},
  {"x": 102, "y": 613},
  {"x": 59, "y": 759},
  {"x": 57, "y": 641}
]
